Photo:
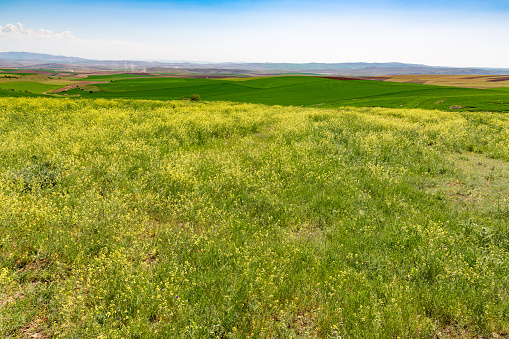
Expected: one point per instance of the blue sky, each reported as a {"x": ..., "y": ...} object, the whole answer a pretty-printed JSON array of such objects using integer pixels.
[{"x": 442, "y": 33}]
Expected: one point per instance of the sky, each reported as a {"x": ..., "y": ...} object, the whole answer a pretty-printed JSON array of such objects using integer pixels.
[{"x": 457, "y": 33}]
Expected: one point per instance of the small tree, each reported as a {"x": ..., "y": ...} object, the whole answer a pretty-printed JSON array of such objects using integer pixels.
[{"x": 194, "y": 97}]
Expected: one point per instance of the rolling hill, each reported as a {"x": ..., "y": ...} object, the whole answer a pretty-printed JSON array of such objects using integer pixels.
[{"x": 37, "y": 60}]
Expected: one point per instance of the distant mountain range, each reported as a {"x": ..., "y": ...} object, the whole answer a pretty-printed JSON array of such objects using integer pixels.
[{"x": 62, "y": 63}]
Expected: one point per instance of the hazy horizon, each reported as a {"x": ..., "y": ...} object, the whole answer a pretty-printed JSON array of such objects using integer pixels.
[{"x": 447, "y": 33}]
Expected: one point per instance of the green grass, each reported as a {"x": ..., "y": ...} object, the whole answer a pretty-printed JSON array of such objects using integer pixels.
[
  {"x": 11, "y": 93},
  {"x": 309, "y": 91},
  {"x": 149, "y": 219}
]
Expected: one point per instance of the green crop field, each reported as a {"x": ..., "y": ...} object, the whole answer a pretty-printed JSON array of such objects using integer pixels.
[
  {"x": 14, "y": 93},
  {"x": 30, "y": 86},
  {"x": 307, "y": 91},
  {"x": 293, "y": 90},
  {"x": 174, "y": 219}
]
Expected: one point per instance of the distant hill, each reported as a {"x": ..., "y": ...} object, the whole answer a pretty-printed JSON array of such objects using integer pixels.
[
  {"x": 57, "y": 62},
  {"x": 26, "y": 56}
]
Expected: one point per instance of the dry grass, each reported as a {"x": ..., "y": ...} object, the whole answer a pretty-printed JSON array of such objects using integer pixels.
[{"x": 468, "y": 81}]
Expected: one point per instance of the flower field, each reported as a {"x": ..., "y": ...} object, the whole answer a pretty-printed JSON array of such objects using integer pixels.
[{"x": 147, "y": 219}]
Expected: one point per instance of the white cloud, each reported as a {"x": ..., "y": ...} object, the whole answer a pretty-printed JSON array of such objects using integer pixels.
[
  {"x": 18, "y": 31},
  {"x": 18, "y": 38}
]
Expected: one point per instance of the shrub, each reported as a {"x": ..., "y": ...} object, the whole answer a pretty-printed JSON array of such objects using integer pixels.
[{"x": 194, "y": 97}]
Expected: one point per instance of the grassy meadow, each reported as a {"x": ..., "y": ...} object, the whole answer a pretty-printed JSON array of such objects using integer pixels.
[{"x": 173, "y": 219}]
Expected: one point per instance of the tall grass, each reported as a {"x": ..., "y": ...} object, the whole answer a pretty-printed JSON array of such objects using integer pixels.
[{"x": 143, "y": 219}]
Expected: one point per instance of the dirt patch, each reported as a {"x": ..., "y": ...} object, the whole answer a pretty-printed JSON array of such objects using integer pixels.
[
  {"x": 456, "y": 332},
  {"x": 12, "y": 297},
  {"x": 499, "y": 79},
  {"x": 76, "y": 85},
  {"x": 305, "y": 325},
  {"x": 343, "y": 78},
  {"x": 7, "y": 299},
  {"x": 34, "y": 330}
]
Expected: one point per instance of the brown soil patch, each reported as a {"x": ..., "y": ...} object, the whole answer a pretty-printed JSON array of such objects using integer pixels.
[
  {"x": 498, "y": 79},
  {"x": 76, "y": 85},
  {"x": 36, "y": 265},
  {"x": 34, "y": 330},
  {"x": 304, "y": 324},
  {"x": 9, "y": 298},
  {"x": 343, "y": 78},
  {"x": 455, "y": 332}
]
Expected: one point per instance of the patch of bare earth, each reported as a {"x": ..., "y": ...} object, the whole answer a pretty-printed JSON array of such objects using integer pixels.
[
  {"x": 76, "y": 85},
  {"x": 499, "y": 78},
  {"x": 16, "y": 295},
  {"x": 34, "y": 330},
  {"x": 343, "y": 78},
  {"x": 455, "y": 332},
  {"x": 9, "y": 298},
  {"x": 304, "y": 325}
]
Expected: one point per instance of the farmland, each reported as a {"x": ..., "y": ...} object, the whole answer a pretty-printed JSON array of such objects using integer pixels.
[
  {"x": 467, "y": 81},
  {"x": 449, "y": 93},
  {"x": 126, "y": 218},
  {"x": 306, "y": 91}
]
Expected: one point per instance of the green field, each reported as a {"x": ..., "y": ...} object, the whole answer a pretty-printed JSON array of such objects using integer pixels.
[
  {"x": 14, "y": 93},
  {"x": 28, "y": 86},
  {"x": 292, "y": 90},
  {"x": 307, "y": 91},
  {"x": 172, "y": 219}
]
